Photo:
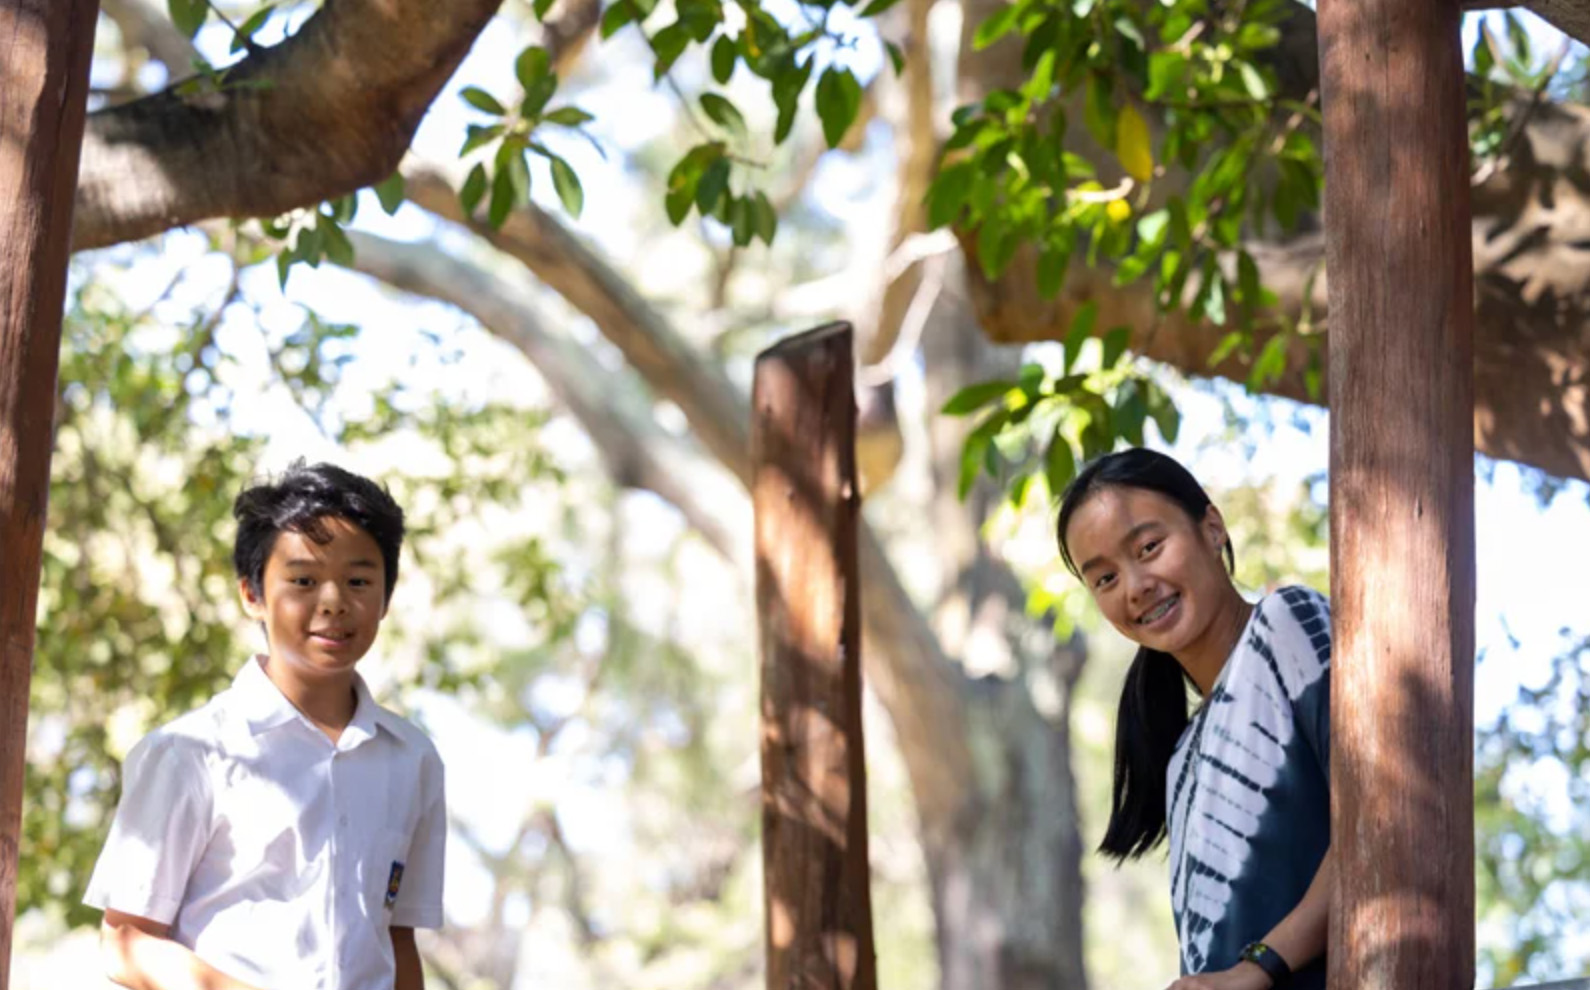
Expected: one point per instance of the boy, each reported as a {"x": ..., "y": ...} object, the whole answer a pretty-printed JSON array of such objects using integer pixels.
[{"x": 288, "y": 835}]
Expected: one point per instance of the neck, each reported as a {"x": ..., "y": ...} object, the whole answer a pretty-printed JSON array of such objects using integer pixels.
[
  {"x": 327, "y": 701},
  {"x": 1204, "y": 658}
]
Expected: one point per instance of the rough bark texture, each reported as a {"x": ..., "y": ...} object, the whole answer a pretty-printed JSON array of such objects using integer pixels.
[
  {"x": 330, "y": 110},
  {"x": 45, "y": 49},
  {"x": 807, "y": 500},
  {"x": 1402, "y": 496},
  {"x": 1010, "y": 878}
]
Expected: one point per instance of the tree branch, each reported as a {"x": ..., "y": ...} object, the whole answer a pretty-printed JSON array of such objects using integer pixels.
[
  {"x": 637, "y": 452},
  {"x": 145, "y": 24},
  {"x": 909, "y": 671},
  {"x": 328, "y": 111}
]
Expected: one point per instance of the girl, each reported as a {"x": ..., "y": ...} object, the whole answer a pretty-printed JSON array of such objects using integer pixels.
[{"x": 1241, "y": 788}]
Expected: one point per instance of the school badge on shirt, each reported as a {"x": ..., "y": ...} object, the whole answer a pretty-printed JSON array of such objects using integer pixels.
[{"x": 394, "y": 880}]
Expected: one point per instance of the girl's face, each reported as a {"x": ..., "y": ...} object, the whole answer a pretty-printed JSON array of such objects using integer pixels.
[{"x": 1155, "y": 573}]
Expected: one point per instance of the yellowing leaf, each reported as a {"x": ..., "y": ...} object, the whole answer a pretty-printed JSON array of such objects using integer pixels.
[
  {"x": 1132, "y": 144},
  {"x": 1118, "y": 211}
]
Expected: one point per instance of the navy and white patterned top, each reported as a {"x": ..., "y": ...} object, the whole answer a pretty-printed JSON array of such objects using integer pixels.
[{"x": 1248, "y": 790}]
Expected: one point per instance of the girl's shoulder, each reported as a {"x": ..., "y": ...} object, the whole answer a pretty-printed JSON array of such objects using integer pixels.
[{"x": 1291, "y": 630}]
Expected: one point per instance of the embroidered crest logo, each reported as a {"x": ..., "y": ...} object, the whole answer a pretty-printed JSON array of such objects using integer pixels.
[{"x": 394, "y": 880}]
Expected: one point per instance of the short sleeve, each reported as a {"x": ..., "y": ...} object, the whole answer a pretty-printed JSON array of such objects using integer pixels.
[
  {"x": 161, "y": 827},
  {"x": 419, "y": 902},
  {"x": 1303, "y": 652}
]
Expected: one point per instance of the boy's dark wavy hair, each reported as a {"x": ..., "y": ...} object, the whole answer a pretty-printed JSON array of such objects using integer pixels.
[
  {"x": 300, "y": 501},
  {"x": 1153, "y": 709}
]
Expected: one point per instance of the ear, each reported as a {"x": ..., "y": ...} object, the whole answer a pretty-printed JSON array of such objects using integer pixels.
[
  {"x": 253, "y": 605},
  {"x": 1214, "y": 530}
]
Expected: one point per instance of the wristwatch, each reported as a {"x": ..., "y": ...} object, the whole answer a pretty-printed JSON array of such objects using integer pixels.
[{"x": 1269, "y": 960}]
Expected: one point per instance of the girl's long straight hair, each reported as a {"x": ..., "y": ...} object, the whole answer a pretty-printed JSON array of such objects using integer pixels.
[{"x": 1153, "y": 709}]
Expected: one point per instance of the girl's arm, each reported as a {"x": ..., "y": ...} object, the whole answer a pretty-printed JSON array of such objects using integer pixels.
[
  {"x": 410, "y": 975},
  {"x": 140, "y": 955},
  {"x": 1299, "y": 938}
]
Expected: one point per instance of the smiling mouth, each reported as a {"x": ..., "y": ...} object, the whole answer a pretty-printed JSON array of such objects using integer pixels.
[
  {"x": 1158, "y": 611},
  {"x": 335, "y": 637}
]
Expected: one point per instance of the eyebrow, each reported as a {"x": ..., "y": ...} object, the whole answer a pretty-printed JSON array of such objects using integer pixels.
[
  {"x": 1131, "y": 535},
  {"x": 311, "y": 562}
]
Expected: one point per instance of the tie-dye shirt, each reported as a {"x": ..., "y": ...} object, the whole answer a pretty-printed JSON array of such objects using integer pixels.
[{"x": 1248, "y": 790}]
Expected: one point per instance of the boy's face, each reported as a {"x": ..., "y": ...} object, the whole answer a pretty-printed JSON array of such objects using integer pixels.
[{"x": 322, "y": 603}]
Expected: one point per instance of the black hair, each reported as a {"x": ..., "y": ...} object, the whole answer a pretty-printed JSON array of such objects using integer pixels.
[
  {"x": 300, "y": 501},
  {"x": 1153, "y": 710}
]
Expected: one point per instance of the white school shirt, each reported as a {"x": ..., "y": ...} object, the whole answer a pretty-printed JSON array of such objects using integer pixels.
[{"x": 277, "y": 856}]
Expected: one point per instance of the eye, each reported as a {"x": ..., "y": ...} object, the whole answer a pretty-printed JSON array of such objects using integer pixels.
[
  {"x": 1149, "y": 547},
  {"x": 301, "y": 582},
  {"x": 360, "y": 582},
  {"x": 1102, "y": 580}
]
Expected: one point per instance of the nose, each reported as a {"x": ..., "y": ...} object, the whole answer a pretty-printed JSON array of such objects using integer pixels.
[
  {"x": 1140, "y": 586},
  {"x": 331, "y": 599}
]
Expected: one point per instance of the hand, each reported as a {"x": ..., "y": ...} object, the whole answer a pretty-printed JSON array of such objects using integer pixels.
[{"x": 1242, "y": 976}]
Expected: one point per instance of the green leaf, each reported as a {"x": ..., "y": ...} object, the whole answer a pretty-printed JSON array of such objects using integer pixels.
[
  {"x": 1166, "y": 72},
  {"x": 502, "y": 197},
  {"x": 976, "y": 450},
  {"x": 337, "y": 246},
  {"x": 1115, "y": 342},
  {"x": 1215, "y": 304},
  {"x": 724, "y": 114},
  {"x": 483, "y": 101},
  {"x": 568, "y": 117},
  {"x": 249, "y": 28},
  {"x": 669, "y": 44},
  {"x": 996, "y": 26},
  {"x": 1131, "y": 412},
  {"x": 876, "y": 7},
  {"x": 724, "y": 55},
  {"x": 568, "y": 186},
  {"x": 1253, "y": 81},
  {"x": 838, "y": 102},
  {"x": 1098, "y": 110},
  {"x": 766, "y": 218},
  {"x": 474, "y": 188},
  {"x": 537, "y": 95},
  {"x": 1229, "y": 343},
  {"x": 615, "y": 17},
  {"x": 1132, "y": 144},
  {"x": 1052, "y": 271},
  {"x": 1166, "y": 416},
  {"x": 947, "y": 195},
  {"x": 541, "y": 7},
  {"x": 284, "y": 265},
  {"x": 1271, "y": 363},
  {"x": 896, "y": 57},
  {"x": 974, "y": 397},
  {"x": 742, "y": 221},
  {"x": 477, "y": 136},
  {"x": 787, "y": 86},
  {"x": 390, "y": 192},
  {"x": 533, "y": 64},
  {"x": 189, "y": 16},
  {"x": 714, "y": 183},
  {"x": 1087, "y": 315},
  {"x": 1059, "y": 464}
]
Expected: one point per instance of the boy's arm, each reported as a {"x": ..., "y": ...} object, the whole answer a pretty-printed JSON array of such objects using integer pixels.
[
  {"x": 139, "y": 954},
  {"x": 410, "y": 975}
]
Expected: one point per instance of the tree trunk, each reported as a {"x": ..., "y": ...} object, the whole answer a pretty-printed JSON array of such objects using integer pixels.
[
  {"x": 1402, "y": 496},
  {"x": 45, "y": 47},
  {"x": 1007, "y": 886}
]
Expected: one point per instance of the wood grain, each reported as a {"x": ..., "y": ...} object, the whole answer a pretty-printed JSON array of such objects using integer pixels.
[
  {"x": 45, "y": 48},
  {"x": 1402, "y": 494},
  {"x": 814, "y": 785}
]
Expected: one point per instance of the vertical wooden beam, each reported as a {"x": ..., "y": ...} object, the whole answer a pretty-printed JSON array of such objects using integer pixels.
[
  {"x": 45, "y": 50},
  {"x": 1402, "y": 494},
  {"x": 814, "y": 785}
]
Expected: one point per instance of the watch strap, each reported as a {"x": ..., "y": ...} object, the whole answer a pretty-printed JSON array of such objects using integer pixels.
[{"x": 1269, "y": 960}]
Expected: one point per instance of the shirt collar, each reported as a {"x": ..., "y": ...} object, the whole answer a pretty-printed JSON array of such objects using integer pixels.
[{"x": 264, "y": 707}]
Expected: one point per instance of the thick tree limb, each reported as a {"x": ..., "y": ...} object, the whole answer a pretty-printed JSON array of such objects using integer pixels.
[
  {"x": 328, "y": 111},
  {"x": 905, "y": 665},
  {"x": 637, "y": 452}
]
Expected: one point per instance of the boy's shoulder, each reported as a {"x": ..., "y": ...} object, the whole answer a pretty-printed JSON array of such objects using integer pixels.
[{"x": 406, "y": 732}]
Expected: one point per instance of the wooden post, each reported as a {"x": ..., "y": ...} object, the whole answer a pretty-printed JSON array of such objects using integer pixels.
[
  {"x": 1402, "y": 494},
  {"x": 814, "y": 785},
  {"x": 45, "y": 50}
]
